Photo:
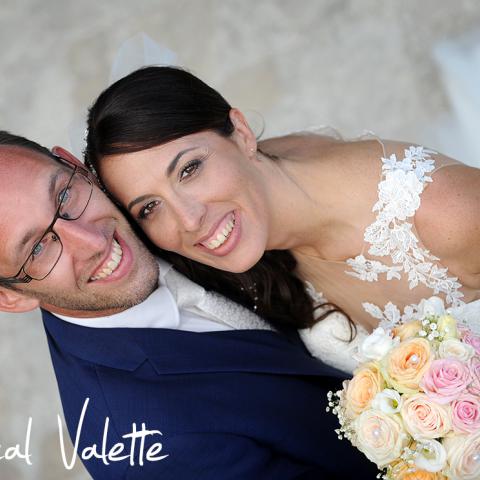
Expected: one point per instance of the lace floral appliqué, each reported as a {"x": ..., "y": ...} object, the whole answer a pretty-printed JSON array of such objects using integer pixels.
[{"x": 391, "y": 233}]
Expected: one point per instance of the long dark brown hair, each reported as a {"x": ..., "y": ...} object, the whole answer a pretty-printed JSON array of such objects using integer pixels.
[{"x": 154, "y": 105}]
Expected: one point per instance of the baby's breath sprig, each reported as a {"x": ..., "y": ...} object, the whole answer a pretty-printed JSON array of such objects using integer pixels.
[
  {"x": 430, "y": 330},
  {"x": 335, "y": 406}
]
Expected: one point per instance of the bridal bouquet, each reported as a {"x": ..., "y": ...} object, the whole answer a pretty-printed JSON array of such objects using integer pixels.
[{"x": 413, "y": 404}]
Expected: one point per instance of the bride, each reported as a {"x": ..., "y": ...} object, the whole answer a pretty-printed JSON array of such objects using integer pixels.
[{"x": 374, "y": 226}]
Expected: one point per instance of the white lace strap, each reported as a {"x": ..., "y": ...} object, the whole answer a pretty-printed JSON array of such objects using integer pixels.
[{"x": 391, "y": 234}]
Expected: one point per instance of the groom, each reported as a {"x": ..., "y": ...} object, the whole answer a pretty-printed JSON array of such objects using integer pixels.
[{"x": 153, "y": 386}]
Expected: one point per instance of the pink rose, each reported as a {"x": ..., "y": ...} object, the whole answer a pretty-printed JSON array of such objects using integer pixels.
[
  {"x": 466, "y": 413},
  {"x": 474, "y": 366},
  {"x": 472, "y": 339},
  {"x": 445, "y": 380}
]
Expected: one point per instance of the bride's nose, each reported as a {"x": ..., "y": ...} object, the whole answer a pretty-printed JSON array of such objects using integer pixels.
[{"x": 189, "y": 213}]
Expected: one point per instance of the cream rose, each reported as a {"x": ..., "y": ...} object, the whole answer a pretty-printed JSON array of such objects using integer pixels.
[
  {"x": 463, "y": 456},
  {"x": 376, "y": 345},
  {"x": 404, "y": 365},
  {"x": 431, "y": 306},
  {"x": 407, "y": 330},
  {"x": 454, "y": 348},
  {"x": 423, "y": 418},
  {"x": 447, "y": 327},
  {"x": 362, "y": 388},
  {"x": 380, "y": 437}
]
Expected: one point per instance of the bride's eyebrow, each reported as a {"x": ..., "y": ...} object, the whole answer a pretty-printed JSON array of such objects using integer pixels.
[
  {"x": 138, "y": 200},
  {"x": 173, "y": 163}
]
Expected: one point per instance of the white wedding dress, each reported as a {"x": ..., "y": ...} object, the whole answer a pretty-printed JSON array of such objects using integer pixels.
[{"x": 394, "y": 254}]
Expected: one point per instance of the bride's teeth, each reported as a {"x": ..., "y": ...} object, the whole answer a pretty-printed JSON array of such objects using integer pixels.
[{"x": 221, "y": 237}]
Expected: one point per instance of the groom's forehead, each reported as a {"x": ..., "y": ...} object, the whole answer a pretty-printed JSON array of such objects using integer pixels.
[
  {"x": 24, "y": 181},
  {"x": 21, "y": 161}
]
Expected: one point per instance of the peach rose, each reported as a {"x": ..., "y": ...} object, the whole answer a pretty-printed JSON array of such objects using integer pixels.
[
  {"x": 380, "y": 437},
  {"x": 362, "y": 389},
  {"x": 423, "y": 475},
  {"x": 463, "y": 455},
  {"x": 424, "y": 418},
  {"x": 404, "y": 366},
  {"x": 407, "y": 330},
  {"x": 403, "y": 471}
]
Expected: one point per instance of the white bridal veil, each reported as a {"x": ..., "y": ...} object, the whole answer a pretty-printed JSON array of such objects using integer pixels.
[{"x": 136, "y": 52}]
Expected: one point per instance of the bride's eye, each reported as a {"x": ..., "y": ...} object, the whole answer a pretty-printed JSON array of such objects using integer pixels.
[
  {"x": 147, "y": 209},
  {"x": 189, "y": 169}
]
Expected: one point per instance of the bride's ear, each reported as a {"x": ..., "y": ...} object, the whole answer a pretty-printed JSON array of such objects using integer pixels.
[
  {"x": 244, "y": 134},
  {"x": 16, "y": 302}
]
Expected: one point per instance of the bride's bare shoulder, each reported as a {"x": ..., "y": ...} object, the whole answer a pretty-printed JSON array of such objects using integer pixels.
[
  {"x": 297, "y": 144},
  {"x": 348, "y": 164}
]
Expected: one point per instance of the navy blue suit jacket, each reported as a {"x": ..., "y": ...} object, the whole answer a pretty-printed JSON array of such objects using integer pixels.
[{"x": 231, "y": 405}]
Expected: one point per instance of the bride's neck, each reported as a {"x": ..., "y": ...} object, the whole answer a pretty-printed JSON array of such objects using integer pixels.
[{"x": 303, "y": 214}]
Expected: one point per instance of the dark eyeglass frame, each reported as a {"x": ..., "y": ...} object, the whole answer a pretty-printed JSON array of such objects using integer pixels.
[{"x": 25, "y": 278}]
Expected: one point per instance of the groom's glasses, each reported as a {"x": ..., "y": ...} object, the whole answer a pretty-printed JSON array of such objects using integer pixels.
[{"x": 71, "y": 201}]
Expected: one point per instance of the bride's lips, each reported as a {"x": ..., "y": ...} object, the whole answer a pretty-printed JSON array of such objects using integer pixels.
[
  {"x": 122, "y": 266},
  {"x": 232, "y": 240}
]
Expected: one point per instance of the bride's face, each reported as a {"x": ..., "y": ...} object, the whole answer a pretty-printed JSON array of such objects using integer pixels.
[{"x": 202, "y": 196}]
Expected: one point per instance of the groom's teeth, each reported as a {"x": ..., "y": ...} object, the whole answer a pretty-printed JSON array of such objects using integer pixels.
[{"x": 115, "y": 258}]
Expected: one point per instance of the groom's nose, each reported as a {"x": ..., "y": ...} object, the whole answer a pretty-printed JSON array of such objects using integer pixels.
[{"x": 85, "y": 238}]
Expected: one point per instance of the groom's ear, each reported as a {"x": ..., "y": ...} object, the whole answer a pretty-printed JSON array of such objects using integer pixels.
[
  {"x": 14, "y": 301},
  {"x": 61, "y": 152}
]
